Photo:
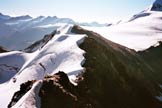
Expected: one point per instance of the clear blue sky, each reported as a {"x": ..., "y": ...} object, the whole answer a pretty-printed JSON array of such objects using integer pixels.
[{"x": 79, "y": 10}]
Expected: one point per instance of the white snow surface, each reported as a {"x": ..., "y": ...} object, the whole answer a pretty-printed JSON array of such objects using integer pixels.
[
  {"x": 139, "y": 33},
  {"x": 31, "y": 99},
  {"x": 11, "y": 63},
  {"x": 61, "y": 53}
]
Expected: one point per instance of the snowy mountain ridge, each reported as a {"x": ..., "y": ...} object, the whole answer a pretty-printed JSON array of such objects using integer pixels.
[
  {"x": 82, "y": 67},
  {"x": 63, "y": 56},
  {"x": 139, "y": 33},
  {"x": 42, "y": 69}
]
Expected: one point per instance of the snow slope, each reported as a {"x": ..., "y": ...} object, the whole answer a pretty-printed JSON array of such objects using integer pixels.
[
  {"x": 11, "y": 63},
  {"x": 139, "y": 33},
  {"x": 30, "y": 99},
  {"x": 61, "y": 53}
]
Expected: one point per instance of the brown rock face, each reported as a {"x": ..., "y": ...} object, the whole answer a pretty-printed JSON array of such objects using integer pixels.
[
  {"x": 115, "y": 77},
  {"x": 56, "y": 92}
]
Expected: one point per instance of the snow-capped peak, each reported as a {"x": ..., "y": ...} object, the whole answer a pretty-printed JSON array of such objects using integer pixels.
[
  {"x": 139, "y": 32},
  {"x": 157, "y": 6},
  {"x": 4, "y": 16}
]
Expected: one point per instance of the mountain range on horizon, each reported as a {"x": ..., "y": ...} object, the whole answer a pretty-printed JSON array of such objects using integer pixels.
[{"x": 19, "y": 32}]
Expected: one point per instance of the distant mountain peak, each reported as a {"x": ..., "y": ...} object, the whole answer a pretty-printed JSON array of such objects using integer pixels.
[
  {"x": 52, "y": 17},
  {"x": 157, "y": 6},
  {"x": 40, "y": 17},
  {"x": 24, "y": 17},
  {"x": 2, "y": 16}
]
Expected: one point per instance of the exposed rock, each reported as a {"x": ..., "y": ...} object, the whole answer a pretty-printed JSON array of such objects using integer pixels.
[
  {"x": 24, "y": 88},
  {"x": 40, "y": 43},
  {"x": 115, "y": 76},
  {"x": 153, "y": 57},
  {"x": 56, "y": 91},
  {"x": 157, "y": 5},
  {"x": 2, "y": 49}
]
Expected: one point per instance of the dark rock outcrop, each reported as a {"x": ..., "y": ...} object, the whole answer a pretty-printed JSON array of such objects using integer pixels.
[
  {"x": 153, "y": 56},
  {"x": 57, "y": 91},
  {"x": 157, "y": 5},
  {"x": 115, "y": 76},
  {"x": 24, "y": 88},
  {"x": 2, "y": 49},
  {"x": 40, "y": 43}
]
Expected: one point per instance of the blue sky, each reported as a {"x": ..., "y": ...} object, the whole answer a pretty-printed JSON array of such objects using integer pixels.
[{"x": 79, "y": 10}]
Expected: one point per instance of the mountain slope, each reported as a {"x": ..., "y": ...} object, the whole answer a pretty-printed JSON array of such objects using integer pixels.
[
  {"x": 4, "y": 17},
  {"x": 125, "y": 81},
  {"x": 157, "y": 6},
  {"x": 17, "y": 33},
  {"x": 139, "y": 32},
  {"x": 10, "y": 64},
  {"x": 2, "y": 49},
  {"x": 40, "y": 43},
  {"x": 114, "y": 76},
  {"x": 61, "y": 53},
  {"x": 74, "y": 67},
  {"x": 153, "y": 57}
]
